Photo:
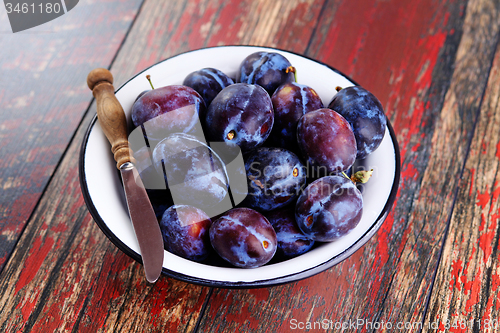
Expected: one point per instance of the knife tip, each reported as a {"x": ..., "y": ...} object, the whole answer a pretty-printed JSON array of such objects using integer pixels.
[{"x": 152, "y": 279}]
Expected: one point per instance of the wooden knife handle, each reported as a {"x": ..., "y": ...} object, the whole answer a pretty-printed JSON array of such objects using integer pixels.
[{"x": 110, "y": 114}]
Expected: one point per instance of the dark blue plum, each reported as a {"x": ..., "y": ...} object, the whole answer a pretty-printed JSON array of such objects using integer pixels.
[
  {"x": 365, "y": 114},
  {"x": 130, "y": 123},
  {"x": 208, "y": 82},
  {"x": 167, "y": 110},
  {"x": 326, "y": 141},
  {"x": 241, "y": 114},
  {"x": 195, "y": 174},
  {"x": 244, "y": 238},
  {"x": 140, "y": 95},
  {"x": 291, "y": 101},
  {"x": 275, "y": 178},
  {"x": 329, "y": 208},
  {"x": 144, "y": 165},
  {"x": 185, "y": 231},
  {"x": 155, "y": 184},
  {"x": 291, "y": 241},
  {"x": 267, "y": 69},
  {"x": 160, "y": 205}
]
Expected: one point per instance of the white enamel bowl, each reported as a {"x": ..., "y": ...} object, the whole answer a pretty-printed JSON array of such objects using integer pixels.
[{"x": 104, "y": 196}]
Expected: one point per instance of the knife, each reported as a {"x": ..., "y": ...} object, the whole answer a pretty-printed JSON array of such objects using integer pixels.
[{"x": 114, "y": 125}]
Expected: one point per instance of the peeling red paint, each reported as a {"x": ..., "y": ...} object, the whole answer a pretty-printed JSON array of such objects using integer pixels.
[
  {"x": 409, "y": 173},
  {"x": 412, "y": 78},
  {"x": 398, "y": 69},
  {"x": 486, "y": 241},
  {"x": 482, "y": 224},
  {"x": 496, "y": 191},
  {"x": 495, "y": 283},
  {"x": 34, "y": 261},
  {"x": 384, "y": 233},
  {"x": 44, "y": 114},
  {"x": 59, "y": 228},
  {"x": 497, "y": 154},
  {"x": 473, "y": 288},
  {"x": 472, "y": 171},
  {"x": 228, "y": 25},
  {"x": 456, "y": 269},
  {"x": 416, "y": 147},
  {"x": 483, "y": 198}
]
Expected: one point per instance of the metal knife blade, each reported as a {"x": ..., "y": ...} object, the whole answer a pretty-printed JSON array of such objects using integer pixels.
[{"x": 146, "y": 227}]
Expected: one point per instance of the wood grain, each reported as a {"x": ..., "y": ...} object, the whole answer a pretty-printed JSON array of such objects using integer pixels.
[
  {"x": 466, "y": 293},
  {"x": 179, "y": 26},
  {"x": 111, "y": 115},
  {"x": 44, "y": 96},
  {"x": 427, "y": 61},
  {"x": 64, "y": 275},
  {"x": 454, "y": 127},
  {"x": 411, "y": 58}
]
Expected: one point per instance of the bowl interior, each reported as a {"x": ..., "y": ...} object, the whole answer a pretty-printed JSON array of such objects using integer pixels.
[{"x": 105, "y": 198}]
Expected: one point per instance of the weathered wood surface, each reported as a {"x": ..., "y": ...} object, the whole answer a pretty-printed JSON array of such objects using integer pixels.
[
  {"x": 64, "y": 274},
  {"x": 43, "y": 98},
  {"x": 420, "y": 59},
  {"x": 449, "y": 147},
  {"x": 466, "y": 291},
  {"x": 430, "y": 64}
]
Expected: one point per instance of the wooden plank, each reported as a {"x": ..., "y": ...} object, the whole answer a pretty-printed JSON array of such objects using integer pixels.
[
  {"x": 454, "y": 125},
  {"x": 411, "y": 56},
  {"x": 43, "y": 97},
  {"x": 213, "y": 22},
  {"x": 466, "y": 292},
  {"x": 64, "y": 274},
  {"x": 95, "y": 278}
]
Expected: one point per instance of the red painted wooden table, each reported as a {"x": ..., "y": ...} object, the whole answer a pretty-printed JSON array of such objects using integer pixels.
[{"x": 432, "y": 266}]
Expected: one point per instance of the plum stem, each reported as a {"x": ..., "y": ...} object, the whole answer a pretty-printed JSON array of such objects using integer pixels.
[
  {"x": 148, "y": 77},
  {"x": 360, "y": 176},
  {"x": 345, "y": 175}
]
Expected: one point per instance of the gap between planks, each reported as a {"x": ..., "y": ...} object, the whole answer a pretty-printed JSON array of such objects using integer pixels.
[
  {"x": 455, "y": 192},
  {"x": 64, "y": 153}
]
